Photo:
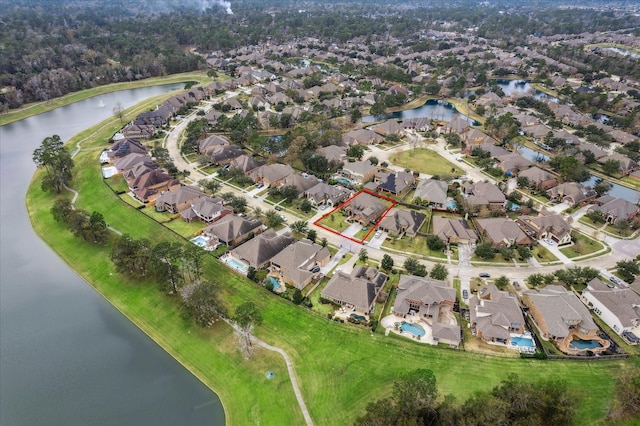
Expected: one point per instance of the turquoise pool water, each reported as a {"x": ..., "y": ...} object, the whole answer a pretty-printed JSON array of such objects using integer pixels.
[
  {"x": 274, "y": 281},
  {"x": 236, "y": 264},
  {"x": 525, "y": 342},
  {"x": 200, "y": 241},
  {"x": 414, "y": 329},
  {"x": 584, "y": 344},
  {"x": 344, "y": 181},
  {"x": 451, "y": 205}
]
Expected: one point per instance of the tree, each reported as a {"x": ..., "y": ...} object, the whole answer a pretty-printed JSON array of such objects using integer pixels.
[
  {"x": 62, "y": 209},
  {"x": 118, "y": 111},
  {"x": 524, "y": 252},
  {"x": 355, "y": 151},
  {"x": 601, "y": 187},
  {"x": 355, "y": 115},
  {"x": 501, "y": 282},
  {"x": 386, "y": 263},
  {"x": 166, "y": 261},
  {"x": 297, "y": 297},
  {"x": 312, "y": 235},
  {"x": 523, "y": 182},
  {"x": 410, "y": 264},
  {"x": 246, "y": 317},
  {"x": 536, "y": 279},
  {"x": 628, "y": 269},
  {"x": 363, "y": 256},
  {"x": 439, "y": 272},
  {"x": 299, "y": 226},
  {"x": 306, "y": 206},
  {"x": 274, "y": 220},
  {"x": 210, "y": 185},
  {"x": 54, "y": 157},
  {"x": 203, "y": 303},
  {"x": 324, "y": 242},
  {"x": 611, "y": 167},
  {"x": 596, "y": 216},
  {"x": 435, "y": 243},
  {"x": 485, "y": 251},
  {"x": 131, "y": 257},
  {"x": 373, "y": 160},
  {"x": 289, "y": 192}
]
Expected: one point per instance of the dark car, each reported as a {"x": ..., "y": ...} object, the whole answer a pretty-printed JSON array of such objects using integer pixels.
[
  {"x": 465, "y": 294},
  {"x": 484, "y": 275},
  {"x": 278, "y": 208}
]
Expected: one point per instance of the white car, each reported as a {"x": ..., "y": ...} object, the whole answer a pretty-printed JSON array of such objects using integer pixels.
[{"x": 283, "y": 217}]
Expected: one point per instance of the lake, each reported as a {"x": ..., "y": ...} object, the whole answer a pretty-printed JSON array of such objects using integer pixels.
[
  {"x": 67, "y": 357},
  {"x": 432, "y": 109}
]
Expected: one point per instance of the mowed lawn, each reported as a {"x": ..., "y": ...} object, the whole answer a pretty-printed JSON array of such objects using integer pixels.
[
  {"x": 340, "y": 368},
  {"x": 425, "y": 161}
]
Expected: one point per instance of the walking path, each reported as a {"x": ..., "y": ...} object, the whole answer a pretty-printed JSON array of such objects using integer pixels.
[{"x": 287, "y": 360}]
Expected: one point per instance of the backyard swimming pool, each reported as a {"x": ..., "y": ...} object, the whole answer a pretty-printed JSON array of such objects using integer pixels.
[
  {"x": 200, "y": 241},
  {"x": 414, "y": 329},
  {"x": 344, "y": 181},
  {"x": 581, "y": 345},
  {"x": 274, "y": 281},
  {"x": 236, "y": 264},
  {"x": 451, "y": 205},
  {"x": 524, "y": 342}
]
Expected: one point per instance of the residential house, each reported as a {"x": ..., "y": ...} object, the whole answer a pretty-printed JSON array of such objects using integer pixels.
[
  {"x": 473, "y": 137},
  {"x": 484, "y": 194},
  {"x": 358, "y": 289},
  {"x": 495, "y": 315},
  {"x": 360, "y": 171},
  {"x": 177, "y": 200},
  {"x": 333, "y": 154},
  {"x": 572, "y": 193},
  {"x": 206, "y": 209},
  {"x": 559, "y": 314},
  {"x": 270, "y": 174},
  {"x": 618, "y": 307},
  {"x": 327, "y": 195},
  {"x": 232, "y": 230},
  {"x": 395, "y": 183},
  {"x": 225, "y": 154},
  {"x": 125, "y": 147},
  {"x": 538, "y": 178},
  {"x": 502, "y": 232},
  {"x": 389, "y": 128},
  {"x": 245, "y": 163},
  {"x": 618, "y": 208},
  {"x": 298, "y": 263},
  {"x": 147, "y": 187},
  {"x": 627, "y": 165},
  {"x": 130, "y": 161},
  {"x": 361, "y": 137},
  {"x": 448, "y": 334},
  {"x": 432, "y": 190},
  {"x": 365, "y": 208},
  {"x": 210, "y": 144},
  {"x": 258, "y": 251},
  {"x": 419, "y": 124},
  {"x": 488, "y": 147},
  {"x": 551, "y": 226},
  {"x": 424, "y": 297},
  {"x": 399, "y": 222},
  {"x": 513, "y": 163},
  {"x": 457, "y": 125},
  {"x": 453, "y": 231},
  {"x": 300, "y": 182}
]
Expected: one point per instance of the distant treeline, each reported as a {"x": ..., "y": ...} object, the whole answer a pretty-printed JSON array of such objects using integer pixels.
[{"x": 50, "y": 48}]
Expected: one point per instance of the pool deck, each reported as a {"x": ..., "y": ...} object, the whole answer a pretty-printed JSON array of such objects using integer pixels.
[
  {"x": 389, "y": 322},
  {"x": 564, "y": 345}
]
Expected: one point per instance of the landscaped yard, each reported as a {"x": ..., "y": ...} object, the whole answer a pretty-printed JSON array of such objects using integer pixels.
[
  {"x": 335, "y": 221},
  {"x": 425, "y": 161},
  {"x": 117, "y": 183},
  {"x": 416, "y": 245},
  {"x": 582, "y": 246},
  {"x": 541, "y": 254}
]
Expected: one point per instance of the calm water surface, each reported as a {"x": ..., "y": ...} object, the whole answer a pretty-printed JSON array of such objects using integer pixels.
[{"x": 67, "y": 357}]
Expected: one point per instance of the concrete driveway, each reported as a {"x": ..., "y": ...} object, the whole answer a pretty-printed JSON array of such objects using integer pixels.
[
  {"x": 376, "y": 242},
  {"x": 352, "y": 230}
]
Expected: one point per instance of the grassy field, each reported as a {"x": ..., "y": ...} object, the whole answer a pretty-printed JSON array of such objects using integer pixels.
[
  {"x": 425, "y": 161},
  {"x": 582, "y": 246},
  {"x": 40, "y": 107},
  {"x": 416, "y": 245},
  {"x": 335, "y": 221},
  {"x": 340, "y": 368}
]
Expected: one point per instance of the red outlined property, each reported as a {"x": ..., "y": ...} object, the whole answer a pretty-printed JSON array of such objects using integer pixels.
[{"x": 363, "y": 208}]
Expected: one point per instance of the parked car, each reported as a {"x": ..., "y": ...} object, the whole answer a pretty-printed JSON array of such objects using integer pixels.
[
  {"x": 516, "y": 284},
  {"x": 283, "y": 217},
  {"x": 484, "y": 275},
  {"x": 465, "y": 294},
  {"x": 278, "y": 208}
]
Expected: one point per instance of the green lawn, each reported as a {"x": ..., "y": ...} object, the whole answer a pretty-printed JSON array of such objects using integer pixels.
[
  {"x": 340, "y": 368},
  {"x": 542, "y": 255},
  {"x": 117, "y": 183},
  {"x": 582, "y": 246},
  {"x": 425, "y": 161},
  {"x": 416, "y": 245},
  {"x": 335, "y": 221}
]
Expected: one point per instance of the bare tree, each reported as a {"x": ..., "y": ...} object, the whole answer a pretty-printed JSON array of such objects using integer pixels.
[{"x": 118, "y": 111}]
